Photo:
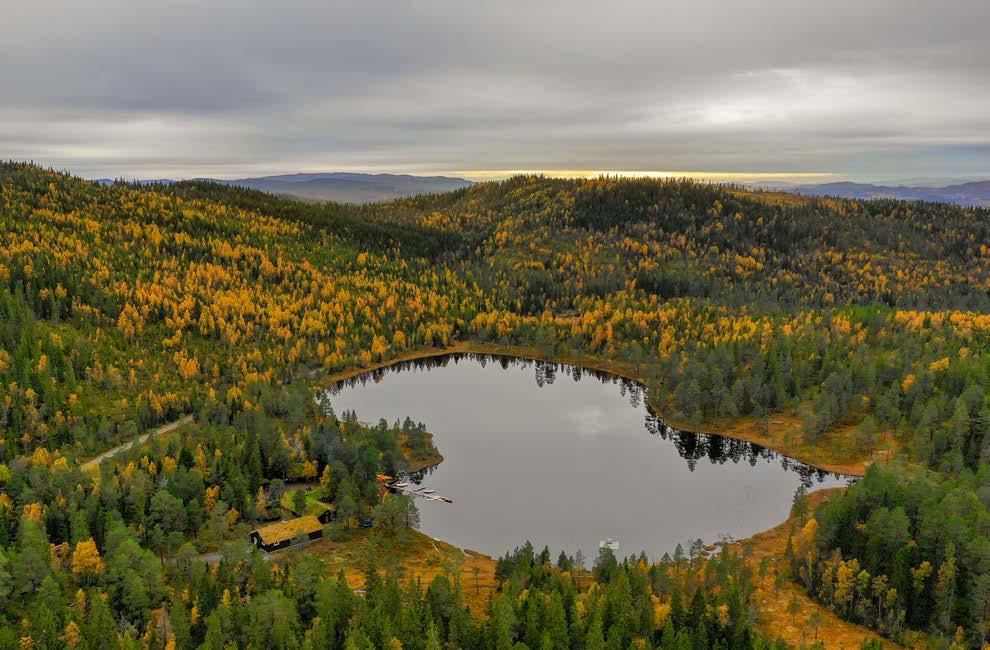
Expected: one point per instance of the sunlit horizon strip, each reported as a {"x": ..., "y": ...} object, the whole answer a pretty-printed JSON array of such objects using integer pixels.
[
  {"x": 481, "y": 175},
  {"x": 499, "y": 174}
]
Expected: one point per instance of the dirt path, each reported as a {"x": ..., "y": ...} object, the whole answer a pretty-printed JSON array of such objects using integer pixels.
[{"x": 94, "y": 463}]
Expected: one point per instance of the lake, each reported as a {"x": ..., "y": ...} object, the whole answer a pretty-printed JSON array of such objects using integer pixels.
[{"x": 567, "y": 457}]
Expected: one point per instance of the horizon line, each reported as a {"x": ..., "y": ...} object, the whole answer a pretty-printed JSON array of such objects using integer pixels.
[{"x": 501, "y": 174}]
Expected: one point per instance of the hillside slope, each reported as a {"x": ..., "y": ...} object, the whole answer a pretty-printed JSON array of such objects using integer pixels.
[
  {"x": 344, "y": 187},
  {"x": 124, "y": 307}
]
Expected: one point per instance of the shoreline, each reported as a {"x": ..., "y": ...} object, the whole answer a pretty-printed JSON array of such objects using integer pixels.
[
  {"x": 423, "y": 464},
  {"x": 623, "y": 370},
  {"x": 765, "y": 543}
]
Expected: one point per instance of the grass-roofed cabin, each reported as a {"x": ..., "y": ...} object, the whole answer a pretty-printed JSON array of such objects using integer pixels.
[{"x": 286, "y": 533}]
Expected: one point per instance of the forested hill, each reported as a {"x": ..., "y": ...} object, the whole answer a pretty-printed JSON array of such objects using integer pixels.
[
  {"x": 679, "y": 238},
  {"x": 368, "y": 227},
  {"x": 339, "y": 187},
  {"x": 693, "y": 239},
  {"x": 123, "y": 307},
  {"x": 350, "y": 187}
]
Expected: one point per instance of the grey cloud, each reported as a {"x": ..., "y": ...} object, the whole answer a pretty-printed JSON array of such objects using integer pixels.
[{"x": 880, "y": 88}]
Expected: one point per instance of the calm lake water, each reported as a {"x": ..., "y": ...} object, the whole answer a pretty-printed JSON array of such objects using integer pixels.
[{"x": 569, "y": 457}]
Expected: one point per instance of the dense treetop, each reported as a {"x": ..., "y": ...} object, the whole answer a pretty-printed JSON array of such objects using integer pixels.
[{"x": 123, "y": 307}]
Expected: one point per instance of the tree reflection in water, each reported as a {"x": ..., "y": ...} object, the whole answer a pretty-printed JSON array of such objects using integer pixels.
[{"x": 691, "y": 446}]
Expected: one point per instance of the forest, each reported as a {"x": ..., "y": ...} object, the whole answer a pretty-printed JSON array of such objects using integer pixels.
[{"x": 124, "y": 307}]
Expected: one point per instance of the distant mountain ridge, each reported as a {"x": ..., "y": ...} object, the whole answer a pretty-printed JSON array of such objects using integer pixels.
[
  {"x": 355, "y": 187},
  {"x": 344, "y": 187},
  {"x": 968, "y": 194}
]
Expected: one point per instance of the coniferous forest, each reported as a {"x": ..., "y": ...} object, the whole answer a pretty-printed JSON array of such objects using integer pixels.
[{"x": 847, "y": 333}]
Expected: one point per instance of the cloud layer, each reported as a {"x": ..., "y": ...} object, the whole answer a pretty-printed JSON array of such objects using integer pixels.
[{"x": 879, "y": 89}]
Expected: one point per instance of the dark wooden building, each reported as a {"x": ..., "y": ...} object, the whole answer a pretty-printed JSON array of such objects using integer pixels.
[
  {"x": 285, "y": 533},
  {"x": 327, "y": 515}
]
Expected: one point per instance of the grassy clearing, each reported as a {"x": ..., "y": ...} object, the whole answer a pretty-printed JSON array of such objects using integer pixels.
[
  {"x": 410, "y": 555},
  {"x": 313, "y": 507},
  {"x": 785, "y": 609},
  {"x": 838, "y": 451}
]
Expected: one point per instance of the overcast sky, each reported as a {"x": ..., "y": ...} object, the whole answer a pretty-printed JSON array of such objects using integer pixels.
[{"x": 869, "y": 89}]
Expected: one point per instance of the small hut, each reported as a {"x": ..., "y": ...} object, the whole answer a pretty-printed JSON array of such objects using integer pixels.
[
  {"x": 285, "y": 533},
  {"x": 328, "y": 515}
]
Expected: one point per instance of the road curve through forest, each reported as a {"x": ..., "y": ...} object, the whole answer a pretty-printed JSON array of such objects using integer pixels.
[{"x": 110, "y": 453}]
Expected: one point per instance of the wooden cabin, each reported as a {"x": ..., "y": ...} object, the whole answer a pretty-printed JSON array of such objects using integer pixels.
[
  {"x": 327, "y": 515},
  {"x": 285, "y": 533}
]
